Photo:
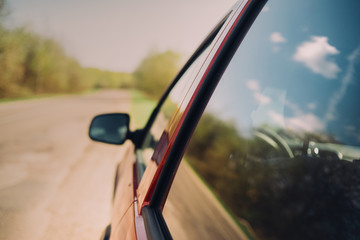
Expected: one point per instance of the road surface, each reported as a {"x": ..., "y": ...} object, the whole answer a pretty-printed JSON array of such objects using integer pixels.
[{"x": 54, "y": 182}]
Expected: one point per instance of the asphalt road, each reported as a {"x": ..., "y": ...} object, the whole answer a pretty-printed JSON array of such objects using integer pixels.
[{"x": 54, "y": 182}]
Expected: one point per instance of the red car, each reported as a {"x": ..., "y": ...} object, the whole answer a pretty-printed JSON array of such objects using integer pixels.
[{"x": 257, "y": 137}]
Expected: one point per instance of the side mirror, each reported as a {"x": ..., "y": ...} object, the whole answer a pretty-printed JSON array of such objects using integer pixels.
[{"x": 110, "y": 128}]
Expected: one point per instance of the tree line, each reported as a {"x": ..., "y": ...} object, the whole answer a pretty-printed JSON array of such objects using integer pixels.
[{"x": 31, "y": 64}]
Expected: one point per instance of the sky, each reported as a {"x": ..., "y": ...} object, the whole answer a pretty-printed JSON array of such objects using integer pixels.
[{"x": 116, "y": 34}]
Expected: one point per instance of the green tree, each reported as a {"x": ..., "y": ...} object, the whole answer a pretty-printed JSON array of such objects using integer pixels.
[
  {"x": 156, "y": 71},
  {"x": 3, "y": 9},
  {"x": 12, "y": 57},
  {"x": 107, "y": 79},
  {"x": 31, "y": 64}
]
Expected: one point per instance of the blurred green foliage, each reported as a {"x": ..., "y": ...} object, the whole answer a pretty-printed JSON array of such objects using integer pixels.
[
  {"x": 141, "y": 108},
  {"x": 107, "y": 79},
  {"x": 33, "y": 65},
  {"x": 156, "y": 71}
]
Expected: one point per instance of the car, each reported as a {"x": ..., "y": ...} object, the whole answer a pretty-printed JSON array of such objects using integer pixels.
[{"x": 257, "y": 137}]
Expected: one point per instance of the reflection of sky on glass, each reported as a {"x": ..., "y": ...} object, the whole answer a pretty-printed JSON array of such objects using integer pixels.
[{"x": 298, "y": 68}]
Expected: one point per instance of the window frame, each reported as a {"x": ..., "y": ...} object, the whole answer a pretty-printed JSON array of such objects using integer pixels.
[
  {"x": 227, "y": 36},
  {"x": 208, "y": 40}
]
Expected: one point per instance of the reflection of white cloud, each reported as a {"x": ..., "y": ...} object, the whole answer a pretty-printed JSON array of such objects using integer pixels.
[
  {"x": 295, "y": 108},
  {"x": 276, "y": 37},
  {"x": 262, "y": 99},
  {"x": 312, "y": 106},
  {"x": 277, "y": 118},
  {"x": 314, "y": 54},
  {"x": 271, "y": 110},
  {"x": 308, "y": 122},
  {"x": 301, "y": 123},
  {"x": 266, "y": 9},
  {"x": 254, "y": 85},
  {"x": 274, "y": 101},
  {"x": 345, "y": 81}
]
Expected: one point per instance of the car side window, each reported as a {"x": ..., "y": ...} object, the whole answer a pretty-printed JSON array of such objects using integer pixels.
[
  {"x": 158, "y": 135},
  {"x": 276, "y": 155}
]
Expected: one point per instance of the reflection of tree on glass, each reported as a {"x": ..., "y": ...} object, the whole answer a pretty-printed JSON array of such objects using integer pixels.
[
  {"x": 281, "y": 196},
  {"x": 171, "y": 111}
]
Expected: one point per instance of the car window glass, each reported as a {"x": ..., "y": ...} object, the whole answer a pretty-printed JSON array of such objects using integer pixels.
[
  {"x": 174, "y": 104},
  {"x": 276, "y": 154}
]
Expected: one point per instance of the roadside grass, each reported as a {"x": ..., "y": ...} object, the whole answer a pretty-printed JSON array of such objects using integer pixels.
[
  {"x": 7, "y": 100},
  {"x": 140, "y": 108},
  {"x": 45, "y": 95}
]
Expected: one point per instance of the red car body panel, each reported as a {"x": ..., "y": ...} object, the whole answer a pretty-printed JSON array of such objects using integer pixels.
[{"x": 123, "y": 217}]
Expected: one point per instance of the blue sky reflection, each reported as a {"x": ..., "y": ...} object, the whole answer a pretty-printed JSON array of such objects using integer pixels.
[{"x": 298, "y": 69}]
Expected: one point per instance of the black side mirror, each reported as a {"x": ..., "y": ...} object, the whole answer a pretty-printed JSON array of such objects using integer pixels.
[{"x": 110, "y": 128}]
